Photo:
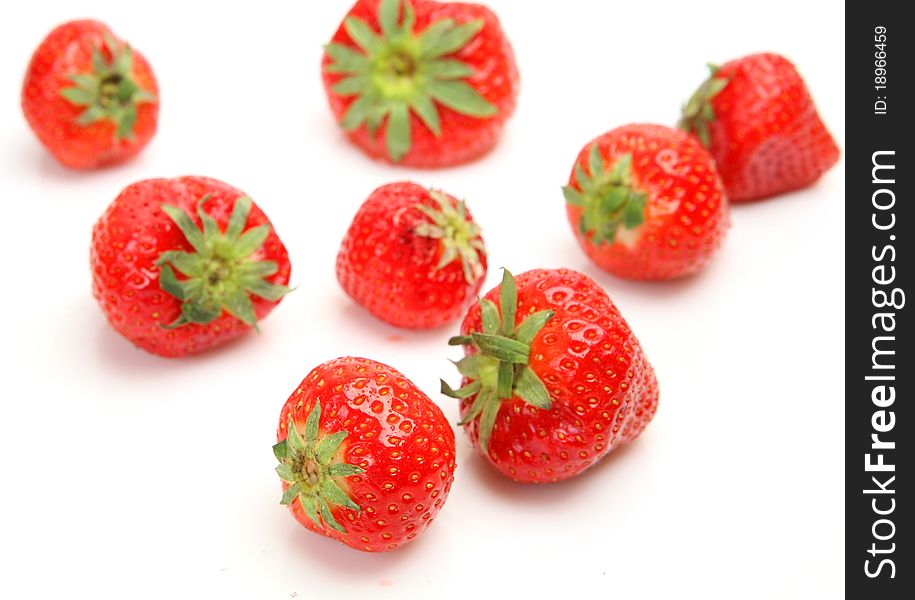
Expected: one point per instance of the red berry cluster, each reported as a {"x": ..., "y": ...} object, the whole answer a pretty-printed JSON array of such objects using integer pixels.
[{"x": 552, "y": 378}]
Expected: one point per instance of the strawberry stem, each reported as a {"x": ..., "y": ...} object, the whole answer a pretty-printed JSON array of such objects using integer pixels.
[
  {"x": 307, "y": 464},
  {"x": 460, "y": 237},
  {"x": 219, "y": 274},
  {"x": 397, "y": 71},
  {"x": 499, "y": 371},
  {"x": 698, "y": 111},
  {"x": 608, "y": 196},
  {"x": 108, "y": 92}
]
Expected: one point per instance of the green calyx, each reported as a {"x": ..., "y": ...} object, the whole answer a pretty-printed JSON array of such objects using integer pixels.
[
  {"x": 698, "y": 111},
  {"x": 608, "y": 196},
  {"x": 499, "y": 370},
  {"x": 219, "y": 274},
  {"x": 460, "y": 238},
  {"x": 108, "y": 93},
  {"x": 398, "y": 71},
  {"x": 308, "y": 464}
]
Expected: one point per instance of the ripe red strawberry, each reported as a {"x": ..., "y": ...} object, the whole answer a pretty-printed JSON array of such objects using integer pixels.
[
  {"x": 646, "y": 202},
  {"x": 365, "y": 457},
  {"x": 89, "y": 97},
  {"x": 553, "y": 379},
  {"x": 430, "y": 85},
  {"x": 182, "y": 265},
  {"x": 412, "y": 257},
  {"x": 757, "y": 118}
]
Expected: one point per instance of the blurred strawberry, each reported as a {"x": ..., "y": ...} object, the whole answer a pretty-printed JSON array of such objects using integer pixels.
[
  {"x": 90, "y": 98},
  {"x": 421, "y": 83},
  {"x": 758, "y": 120}
]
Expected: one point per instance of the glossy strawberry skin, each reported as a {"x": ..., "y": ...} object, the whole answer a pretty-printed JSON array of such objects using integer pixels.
[
  {"x": 687, "y": 213},
  {"x": 603, "y": 390},
  {"x": 67, "y": 51},
  {"x": 384, "y": 266},
  {"x": 463, "y": 138},
  {"x": 128, "y": 240},
  {"x": 767, "y": 136},
  {"x": 395, "y": 433}
]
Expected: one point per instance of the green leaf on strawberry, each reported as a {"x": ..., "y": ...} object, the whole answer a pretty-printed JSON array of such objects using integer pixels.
[
  {"x": 499, "y": 371},
  {"x": 397, "y": 71},
  {"x": 698, "y": 111},
  {"x": 219, "y": 274},
  {"x": 460, "y": 237},
  {"x": 109, "y": 91},
  {"x": 307, "y": 463},
  {"x": 609, "y": 198}
]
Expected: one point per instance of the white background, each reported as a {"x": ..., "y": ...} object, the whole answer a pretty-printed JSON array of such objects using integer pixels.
[{"x": 132, "y": 476}]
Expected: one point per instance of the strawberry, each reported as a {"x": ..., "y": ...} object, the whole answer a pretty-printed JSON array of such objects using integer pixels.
[
  {"x": 412, "y": 257},
  {"x": 757, "y": 118},
  {"x": 421, "y": 83},
  {"x": 646, "y": 202},
  {"x": 182, "y": 265},
  {"x": 89, "y": 97},
  {"x": 365, "y": 457},
  {"x": 553, "y": 378}
]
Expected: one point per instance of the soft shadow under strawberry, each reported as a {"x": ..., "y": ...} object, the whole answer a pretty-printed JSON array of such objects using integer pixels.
[{"x": 595, "y": 480}]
